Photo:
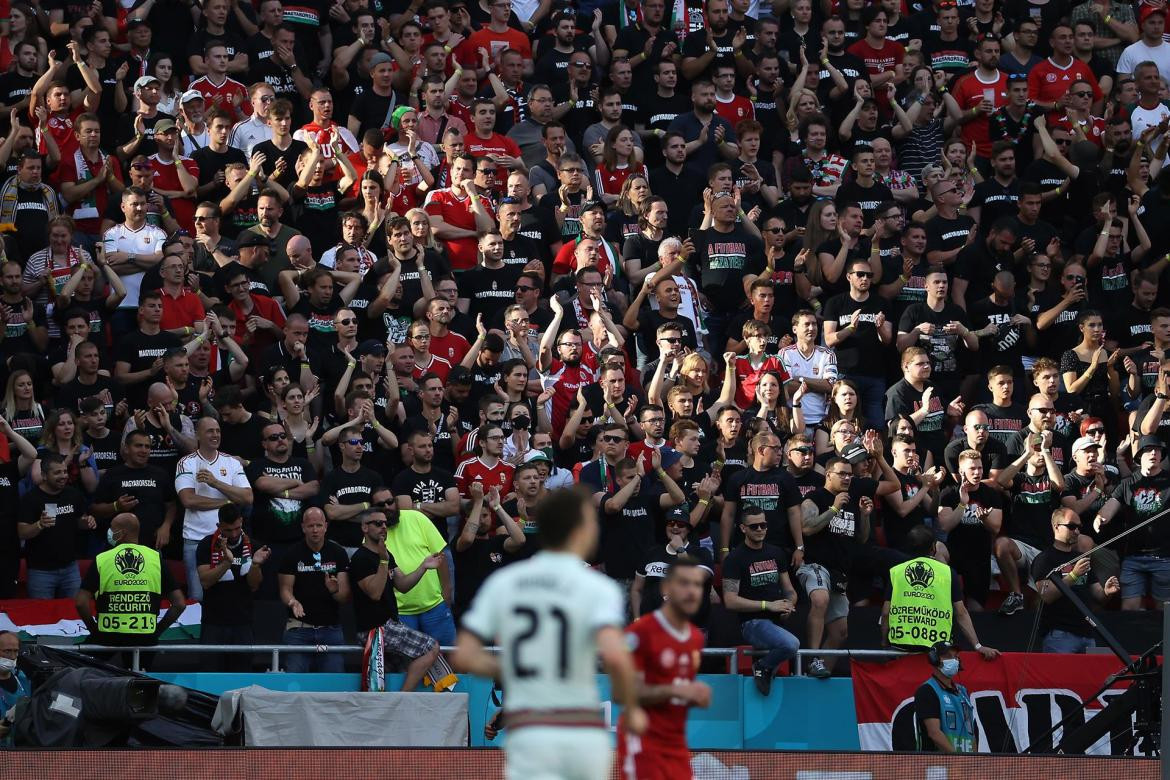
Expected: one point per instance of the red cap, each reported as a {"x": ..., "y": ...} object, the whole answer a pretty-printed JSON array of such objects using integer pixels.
[{"x": 1147, "y": 10}]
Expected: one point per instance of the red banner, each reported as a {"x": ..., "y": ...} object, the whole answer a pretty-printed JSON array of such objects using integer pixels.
[{"x": 1017, "y": 699}]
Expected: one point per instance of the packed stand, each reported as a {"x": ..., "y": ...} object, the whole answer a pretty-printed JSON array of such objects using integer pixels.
[{"x": 297, "y": 287}]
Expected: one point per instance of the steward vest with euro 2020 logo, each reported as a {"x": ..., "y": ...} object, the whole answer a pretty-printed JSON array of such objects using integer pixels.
[
  {"x": 129, "y": 590},
  {"x": 921, "y": 612}
]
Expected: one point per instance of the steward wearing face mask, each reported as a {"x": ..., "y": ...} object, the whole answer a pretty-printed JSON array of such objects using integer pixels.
[
  {"x": 942, "y": 708},
  {"x": 128, "y": 583}
]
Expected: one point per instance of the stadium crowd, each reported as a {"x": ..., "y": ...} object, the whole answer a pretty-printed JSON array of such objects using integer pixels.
[{"x": 778, "y": 288}]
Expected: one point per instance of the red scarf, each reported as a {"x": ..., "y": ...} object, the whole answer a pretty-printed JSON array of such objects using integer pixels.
[{"x": 217, "y": 554}]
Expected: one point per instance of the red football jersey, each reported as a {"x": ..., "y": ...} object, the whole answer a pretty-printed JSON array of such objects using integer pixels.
[
  {"x": 747, "y": 378},
  {"x": 664, "y": 656},
  {"x": 475, "y": 470}
]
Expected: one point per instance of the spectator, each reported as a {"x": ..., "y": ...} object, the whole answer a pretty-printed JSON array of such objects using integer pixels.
[
  {"x": 52, "y": 518},
  {"x": 230, "y": 572},
  {"x": 314, "y": 581}
]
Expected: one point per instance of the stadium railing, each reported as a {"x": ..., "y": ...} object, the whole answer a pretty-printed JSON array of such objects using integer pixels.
[{"x": 732, "y": 654}]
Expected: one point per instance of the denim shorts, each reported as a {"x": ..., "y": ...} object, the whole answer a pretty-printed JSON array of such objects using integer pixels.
[{"x": 1143, "y": 575}]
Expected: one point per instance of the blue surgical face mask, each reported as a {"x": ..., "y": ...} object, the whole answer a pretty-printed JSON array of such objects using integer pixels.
[
  {"x": 110, "y": 537},
  {"x": 950, "y": 667}
]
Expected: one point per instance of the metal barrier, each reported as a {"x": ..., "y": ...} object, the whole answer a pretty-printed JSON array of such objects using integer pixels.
[{"x": 136, "y": 651}]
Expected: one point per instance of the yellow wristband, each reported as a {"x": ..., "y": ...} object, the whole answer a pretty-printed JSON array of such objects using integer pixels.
[
  {"x": 365, "y": 505},
  {"x": 763, "y": 606},
  {"x": 704, "y": 501}
]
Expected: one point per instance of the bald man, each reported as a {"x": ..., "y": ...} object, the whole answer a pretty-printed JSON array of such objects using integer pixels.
[
  {"x": 128, "y": 582},
  {"x": 314, "y": 583},
  {"x": 172, "y": 434},
  {"x": 205, "y": 480},
  {"x": 978, "y": 437}
]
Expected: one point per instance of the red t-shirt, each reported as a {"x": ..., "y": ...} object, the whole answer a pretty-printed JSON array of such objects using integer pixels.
[
  {"x": 436, "y": 365},
  {"x": 256, "y": 343},
  {"x": 167, "y": 178},
  {"x": 565, "y": 381},
  {"x": 493, "y": 43},
  {"x": 224, "y": 95},
  {"x": 456, "y": 212},
  {"x": 664, "y": 657},
  {"x": 88, "y": 212},
  {"x": 747, "y": 378},
  {"x": 1093, "y": 128},
  {"x": 61, "y": 128},
  {"x": 735, "y": 110},
  {"x": 181, "y": 312},
  {"x": 1048, "y": 82},
  {"x": 493, "y": 144},
  {"x": 611, "y": 181},
  {"x": 475, "y": 470},
  {"x": 968, "y": 92},
  {"x": 452, "y": 347}
]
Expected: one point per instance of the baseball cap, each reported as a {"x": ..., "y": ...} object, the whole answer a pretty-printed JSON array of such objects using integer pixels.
[
  {"x": 381, "y": 58},
  {"x": 677, "y": 514},
  {"x": 136, "y": 22},
  {"x": 191, "y": 94},
  {"x": 1147, "y": 11},
  {"x": 1084, "y": 443},
  {"x": 589, "y": 205},
  {"x": 252, "y": 238},
  {"x": 371, "y": 347},
  {"x": 458, "y": 375},
  {"x": 163, "y": 126},
  {"x": 142, "y": 81},
  {"x": 537, "y": 456},
  {"x": 1146, "y": 442},
  {"x": 670, "y": 456}
]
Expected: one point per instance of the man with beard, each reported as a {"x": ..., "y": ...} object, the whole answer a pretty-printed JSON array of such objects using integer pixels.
[
  {"x": 709, "y": 137},
  {"x": 137, "y": 487},
  {"x": 801, "y": 464},
  {"x": 487, "y": 289},
  {"x": 996, "y": 197},
  {"x": 766, "y": 486},
  {"x": 564, "y": 375},
  {"x": 976, "y": 437},
  {"x": 28, "y": 203},
  {"x": 230, "y": 571},
  {"x": 269, "y": 210},
  {"x": 431, "y": 413},
  {"x": 676, "y": 182},
  {"x": 423, "y": 486},
  {"x": 979, "y": 261}
]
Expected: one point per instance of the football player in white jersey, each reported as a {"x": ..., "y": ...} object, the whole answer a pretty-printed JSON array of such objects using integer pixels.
[{"x": 552, "y": 616}]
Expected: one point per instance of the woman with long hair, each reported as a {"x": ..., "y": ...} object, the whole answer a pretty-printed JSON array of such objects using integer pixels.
[
  {"x": 302, "y": 432},
  {"x": 769, "y": 406},
  {"x": 272, "y": 383},
  {"x": 420, "y": 228},
  {"x": 372, "y": 189},
  {"x": 22, "y": 29},
  {"x": 620, "y": 158},
  {"x": 820, "y": 228},
  {"x": 47, "y": 272},
  {"x": 624, "y": 219},
  {"x": 844, "y": 404},
  {"x": 21, "y": 409},
  {"x": 1089, "y": 371},
  {"x": 640, "y": 251},
  {"x": 162, "y": 67},
  {"x": 61, "y": 435}
]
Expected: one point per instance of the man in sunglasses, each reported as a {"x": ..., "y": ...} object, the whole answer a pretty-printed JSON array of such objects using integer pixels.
[
  {"x": 283, "y": 486},
  {"x": 1086, "y": 489},
  {"x": 1042, "y": 417},
  {"x": 977, "y": 436},
  {"x": 1063, "y": 626}
]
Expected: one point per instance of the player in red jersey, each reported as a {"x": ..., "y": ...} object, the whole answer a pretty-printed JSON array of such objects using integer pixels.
[{"x": 666, "y": 648}]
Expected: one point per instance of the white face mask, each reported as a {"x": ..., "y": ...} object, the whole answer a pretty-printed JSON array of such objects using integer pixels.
[
  {"x": 7, "y": 665},
  {"x": 110, "y": 537},
  {"x": 950, "y": 667}
]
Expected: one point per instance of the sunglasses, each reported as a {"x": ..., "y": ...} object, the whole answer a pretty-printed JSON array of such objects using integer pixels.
[
  {"x": 384, "y": 502},
  {"x": 1071, "y": 526},
  {"x": 348, "y": 321},
  {"x": 276, "y": 437},
  {"x": 613, "y": 439},
  {"x": 678, "y": 523},
  {"x": 774, "y": 230},
  {"x": 354, "y": 442},
  {"x": 377, "y": 523},
  {"x": 525, "y": 288},
  {"x": 1082, "y": 94},
  {"x": 755, "y": 526},
  {"x": 671, "y": 340},
  {"x": 863, "y": 274},
  {"x": 981, "y": 427},
  {"x": 1095, "y": 432},
  {"x": 802, "y": 450},
  {"x": 1043, "y": 410}
]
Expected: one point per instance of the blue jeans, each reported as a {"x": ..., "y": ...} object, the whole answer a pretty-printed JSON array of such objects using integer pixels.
[
  {"x": 60, "y": 583},
  {"x": 766, "y": 635},
  {"x": 300, "y": 663},
  {"x": 872, "y": 402},
  {"x": 1145, "y": 574},
  {"x": 1058, "y": 641},
  {"x": 437, "y": 623},
  {"x": 194, "y": 588}
]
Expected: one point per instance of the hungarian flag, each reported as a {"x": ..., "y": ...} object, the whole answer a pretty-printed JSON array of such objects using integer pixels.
[{"x": 32, "y": 618}]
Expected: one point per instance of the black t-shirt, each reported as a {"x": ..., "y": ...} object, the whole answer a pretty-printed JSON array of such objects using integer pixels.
[
  {"x": 1006, "y": 345},
  {"x": 943, "y": 348},
  {"x": 153, "y": 488},
  {"x": 474, "y": 565},
  {"x": 862, "y": 352},
  {"x": 372, "y": 110},
  {"x": 653, "y": 569},
  {"x": 1061, "y": 445},
  {"x": 242, "y": 439},
  {"x": 628, "y": 533},
  {"x": 896, "y": 526},
  {"x": 1061, "y": 614},
  {"x": 1141, "y": 497},
  {"x": 489, "y": 290},
  {"x": 140, "y": 350},
  {"x": 310, "y": 569},
  {"x": 869, "y": 198},
  {"x": 904, "y": 398},
  {"x": 276, "y": 519},
  {"x": 835, "y": 545},
  {"x": 272, "y": 154},
  {"x": 970, "y": 540},
  {"x": 367, "y": 613},
  {"x": 1005, "y": 421},
  {"x": 211, "y": 162},
  {"x": 994, "y": 201},
  {"x": 107, "y": 451},
  {"x": 774, "y": 492},
  {"x": 229, "y": 601},
  {"x": 319, "y": 209},
  {"x": 55, "y": 547},
  {"x": 70, "y": 396},
  {"x": 428, "y": 488},
  {"x": 946, "y": 234},
  {"x": 1033, "y": 499},
  {"x": 993, "y": 455},
  {"x": 348, "y": 488},
  {"x": 720, "y": 262},
  {"x": 759, "y": 575}
]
